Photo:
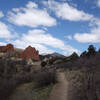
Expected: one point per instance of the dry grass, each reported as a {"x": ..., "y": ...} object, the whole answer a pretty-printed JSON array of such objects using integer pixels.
[
  {"x": 43, "y": 93},
  {"x": 83, "y": 85},
  {"x": 28, "y": 92}
]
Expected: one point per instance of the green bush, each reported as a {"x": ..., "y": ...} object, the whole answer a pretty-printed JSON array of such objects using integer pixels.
[{"x": 43, "y": 63}]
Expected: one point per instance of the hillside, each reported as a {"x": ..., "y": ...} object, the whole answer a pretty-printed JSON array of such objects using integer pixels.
[
  {"x": 73, "y": 78},
  {"x": 55, "y": 55}
]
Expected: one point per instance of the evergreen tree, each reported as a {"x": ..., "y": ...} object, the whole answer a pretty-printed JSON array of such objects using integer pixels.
[
  {"x": 74, "y": 56},
  {"x": 84, "y": 54},
  {"x": 43, "y": 63},
  {"x": 91, "y": 50}
]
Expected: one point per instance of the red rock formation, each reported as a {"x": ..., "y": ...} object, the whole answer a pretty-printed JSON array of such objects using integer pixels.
[
  {"x": 30, "y": 53},
  {"x": 7, "y": 48}
]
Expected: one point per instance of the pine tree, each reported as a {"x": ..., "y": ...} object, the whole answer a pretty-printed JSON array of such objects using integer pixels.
[{"x": 91, "y": 50}]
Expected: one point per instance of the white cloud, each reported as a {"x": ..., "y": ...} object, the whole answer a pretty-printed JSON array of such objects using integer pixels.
[
  {"x": 4, "y": 31},
  {"x": 1, "y": 14},
  {"x": 92, "y": 37},
  {"x": 31, "y": 16},
  {"x": 67, "y": 12},
  {"x": 7, "y": 32},
  {"x": 87, "y": 37},
  {"x": 43, "y": 42},
  {"x": 98, "y": 3},
  {"x": 69, "y": 37},
  {"x": 31, "y": 5},
  {"x": 2, "y": 43},
  {"x": 23, "y": 44}
]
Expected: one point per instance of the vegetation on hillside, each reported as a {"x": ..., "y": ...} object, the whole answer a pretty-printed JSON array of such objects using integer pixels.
[
  {"x": 16, "y": 72},
  {"x": 83, "y": 75}
]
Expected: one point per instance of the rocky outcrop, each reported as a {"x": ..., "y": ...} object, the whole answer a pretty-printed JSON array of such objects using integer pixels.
[
  {"x": 30, "y": 53},
  {"x": 7, "y": 48}
]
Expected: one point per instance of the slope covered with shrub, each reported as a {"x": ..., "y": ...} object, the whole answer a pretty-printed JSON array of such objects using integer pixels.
[
  {"x": 16, "y": 72},
  {"x": 83, "y": 75}
]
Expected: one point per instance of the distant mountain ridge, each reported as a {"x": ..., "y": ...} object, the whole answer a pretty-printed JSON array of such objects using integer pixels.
[{"x": 55, "y": 55}]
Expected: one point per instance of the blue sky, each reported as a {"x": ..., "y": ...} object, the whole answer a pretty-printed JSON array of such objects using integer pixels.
[{"x": 62, "y": 26}]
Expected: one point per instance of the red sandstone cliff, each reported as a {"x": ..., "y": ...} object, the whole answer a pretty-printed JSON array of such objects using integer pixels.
[
  {"x": 7, "y": 48},
  {"x": 30, "y": 53}
]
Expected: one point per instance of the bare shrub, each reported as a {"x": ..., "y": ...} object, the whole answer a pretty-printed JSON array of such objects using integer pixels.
[
  {"x": 6, "y": 88},
  {"x": 10, "y": 77},
  {"x": 44, "y": 78},
  {"x": 83, "y": 76}
]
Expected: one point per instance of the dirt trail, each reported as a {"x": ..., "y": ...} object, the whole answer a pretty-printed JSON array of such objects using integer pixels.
[{"x": 59, "y": 91}]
